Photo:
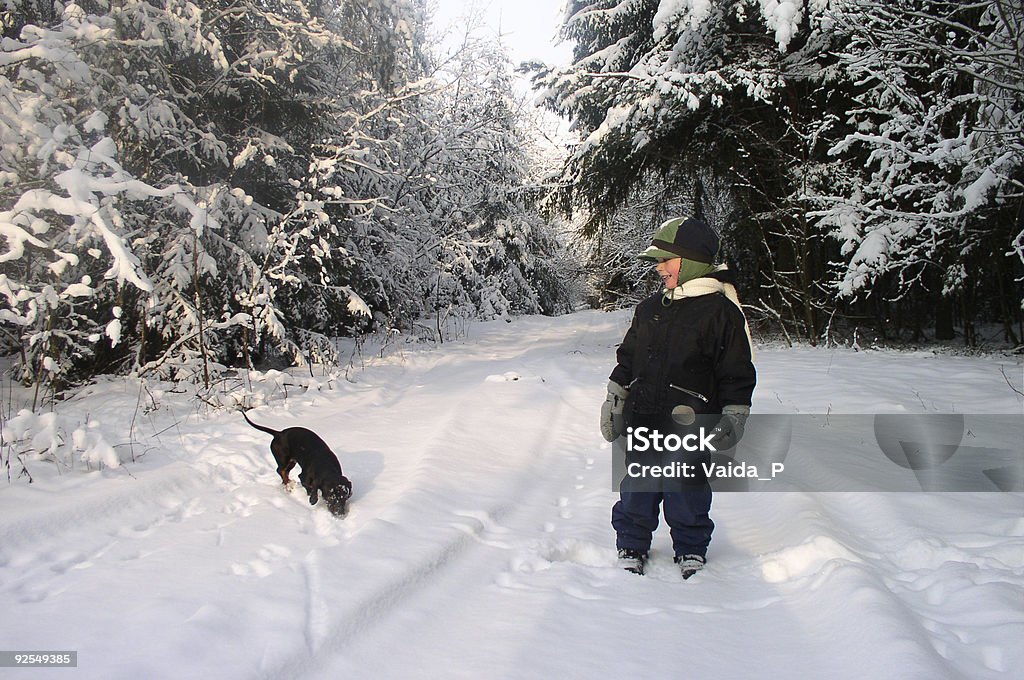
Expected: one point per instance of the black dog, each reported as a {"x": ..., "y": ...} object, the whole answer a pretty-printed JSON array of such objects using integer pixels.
[{"x": 321, "y": 471}]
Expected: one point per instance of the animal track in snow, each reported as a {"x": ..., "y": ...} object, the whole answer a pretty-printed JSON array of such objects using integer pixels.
[{"x": 263, "y": 565}]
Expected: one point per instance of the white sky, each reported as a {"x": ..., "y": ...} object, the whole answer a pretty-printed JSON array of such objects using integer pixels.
[{"x": 528, "y": 27}]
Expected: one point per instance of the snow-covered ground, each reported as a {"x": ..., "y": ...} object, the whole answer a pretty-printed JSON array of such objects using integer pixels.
[{"x": 478, "y": 543}]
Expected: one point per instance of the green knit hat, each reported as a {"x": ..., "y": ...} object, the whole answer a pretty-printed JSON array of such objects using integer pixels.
[{"x": 685, "y": 237}]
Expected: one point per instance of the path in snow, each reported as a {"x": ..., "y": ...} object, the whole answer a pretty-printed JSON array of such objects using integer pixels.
[{"x": 479, "y": 545}]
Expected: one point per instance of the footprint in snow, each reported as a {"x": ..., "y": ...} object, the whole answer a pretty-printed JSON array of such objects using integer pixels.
[
  {"x": 242, "y": 505},
  {"x": 510, "y": 376},
  {"x": 263, "y": 565}
]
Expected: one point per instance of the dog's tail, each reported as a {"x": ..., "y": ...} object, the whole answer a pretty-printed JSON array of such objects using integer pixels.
[{"x": 260, "y": 427}]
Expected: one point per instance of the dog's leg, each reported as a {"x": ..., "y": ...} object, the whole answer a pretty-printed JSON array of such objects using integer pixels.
[
  {"x": 283, "y": 471},
  {"x": 310, "y": 484},
  {"x": 285, "y": 462}
]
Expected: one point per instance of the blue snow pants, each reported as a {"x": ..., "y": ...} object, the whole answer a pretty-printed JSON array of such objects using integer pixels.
[{"x": 635, "y": 516}]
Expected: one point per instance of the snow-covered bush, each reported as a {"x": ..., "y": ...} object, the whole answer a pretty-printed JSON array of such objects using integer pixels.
[{"x": 61, "y": 439}]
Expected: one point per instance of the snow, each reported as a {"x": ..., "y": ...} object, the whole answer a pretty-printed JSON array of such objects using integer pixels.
[
  {"x": 113, "y": 329},
  {"x": 783, "y": 16},
  {"x": 478, "y": 542},
  {"x": 356, "y": 304},
  {"x": 670, "y": 12},
  {"x": 975, "y": 193}
]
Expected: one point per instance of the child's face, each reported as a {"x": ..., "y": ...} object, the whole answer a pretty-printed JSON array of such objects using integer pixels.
[{"x": 668, "y": 270}]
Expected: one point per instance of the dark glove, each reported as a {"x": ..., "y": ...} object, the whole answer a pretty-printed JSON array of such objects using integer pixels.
[
  {"x": 612, "y": 420},
  {"x": 729, "y": 430}
]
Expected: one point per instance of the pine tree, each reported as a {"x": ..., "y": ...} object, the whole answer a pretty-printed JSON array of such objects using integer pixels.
[
  {"x": 937, "y": 151},
  {"x": 156, "y": 155},
  {"x": 867, "y": 154},
  {"x": 712, "y": 103}
]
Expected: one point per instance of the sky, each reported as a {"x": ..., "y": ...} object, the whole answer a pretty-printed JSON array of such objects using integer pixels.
[{"x": 528, "y": 27}]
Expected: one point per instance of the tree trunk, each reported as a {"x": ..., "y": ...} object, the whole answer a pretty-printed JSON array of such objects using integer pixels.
[{"x": 944, "y": 319}]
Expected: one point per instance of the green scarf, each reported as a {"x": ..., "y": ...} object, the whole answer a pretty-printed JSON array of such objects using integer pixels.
[
  {"x": 691, "y": 269},
  {"x": 688, "y": 271}
]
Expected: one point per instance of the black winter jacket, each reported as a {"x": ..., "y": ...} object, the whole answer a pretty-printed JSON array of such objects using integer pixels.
[{"x": 694, "y": 351}]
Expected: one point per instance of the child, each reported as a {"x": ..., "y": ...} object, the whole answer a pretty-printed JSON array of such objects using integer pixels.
[{"x": 688, "y": 349}]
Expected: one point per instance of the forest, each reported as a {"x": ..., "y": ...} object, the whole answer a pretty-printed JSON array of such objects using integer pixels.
[
  {"x": 861, "y": 158},
  {"x": 188, "y": 187}
]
